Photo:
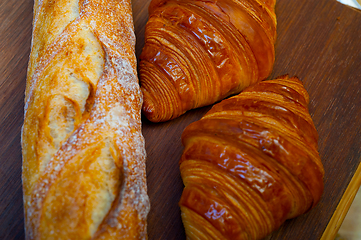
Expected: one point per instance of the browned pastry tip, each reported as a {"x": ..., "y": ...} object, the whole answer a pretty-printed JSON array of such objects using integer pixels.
[
  {"x": 251, "y": 163},
  {"x": 83, "y": 150},
  {"x": 199, "y": 52}
]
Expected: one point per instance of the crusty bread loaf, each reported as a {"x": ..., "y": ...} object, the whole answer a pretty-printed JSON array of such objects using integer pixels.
[{"x": 83, "y": 150}]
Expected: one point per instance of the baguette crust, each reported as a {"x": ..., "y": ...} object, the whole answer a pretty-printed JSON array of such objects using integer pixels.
[{"x": 83, "y": 150}]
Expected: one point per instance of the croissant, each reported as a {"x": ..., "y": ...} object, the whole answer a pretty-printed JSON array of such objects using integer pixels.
[
  {"x": 198, "y": 52},
  {"x": 83, "y": 149},
  {"x": 251, "y": 163}
]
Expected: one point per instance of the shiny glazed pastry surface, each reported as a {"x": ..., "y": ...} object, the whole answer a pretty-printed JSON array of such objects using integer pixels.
[
  {"x": 199, "y": 52},
  {"x": 83, "y": 150},
  {"x": 251, "y": 163}
]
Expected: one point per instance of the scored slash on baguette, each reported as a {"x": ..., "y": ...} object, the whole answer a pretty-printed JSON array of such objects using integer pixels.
[{"x": 83, "y": 150}]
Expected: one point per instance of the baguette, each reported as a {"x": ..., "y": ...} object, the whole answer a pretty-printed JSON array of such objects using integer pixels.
[{"x": 83, "y": 150}]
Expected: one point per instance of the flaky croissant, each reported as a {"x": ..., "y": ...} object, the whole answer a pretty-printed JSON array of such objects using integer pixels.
[
  {"x": 251, "y": 163},
  {"x": 198, "y": 52},
  {"x": 83, "y": 149}
]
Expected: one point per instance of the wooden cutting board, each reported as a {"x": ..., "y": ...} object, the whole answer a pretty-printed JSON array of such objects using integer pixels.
[{"x": 318, "y": 41}]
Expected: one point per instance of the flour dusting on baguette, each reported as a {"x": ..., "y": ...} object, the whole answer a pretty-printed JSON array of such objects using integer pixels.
[{"x": 83, "y": 150}]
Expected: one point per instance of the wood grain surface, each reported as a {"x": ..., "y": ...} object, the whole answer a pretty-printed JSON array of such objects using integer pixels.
[{"x": 318, "y": 41}]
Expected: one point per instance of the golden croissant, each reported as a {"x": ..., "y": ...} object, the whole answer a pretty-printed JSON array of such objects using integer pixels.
[
  {"x": 250, "y": 163},
  {"x": 83, "y": 149},
  {"x": 198, "y": 52}
]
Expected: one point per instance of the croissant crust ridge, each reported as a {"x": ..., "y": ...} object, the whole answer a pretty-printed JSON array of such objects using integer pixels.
[
  {"x": 251, "y": 163},
  {"x": 199, "y": 52}
]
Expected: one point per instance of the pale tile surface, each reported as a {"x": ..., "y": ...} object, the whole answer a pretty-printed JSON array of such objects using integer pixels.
[
  {"x": 352, "y": 3},
  {"x": 351, "y": 226}
]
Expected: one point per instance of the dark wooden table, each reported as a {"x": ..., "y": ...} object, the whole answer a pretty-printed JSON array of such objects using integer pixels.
[{"x": 318, "y": 41}]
